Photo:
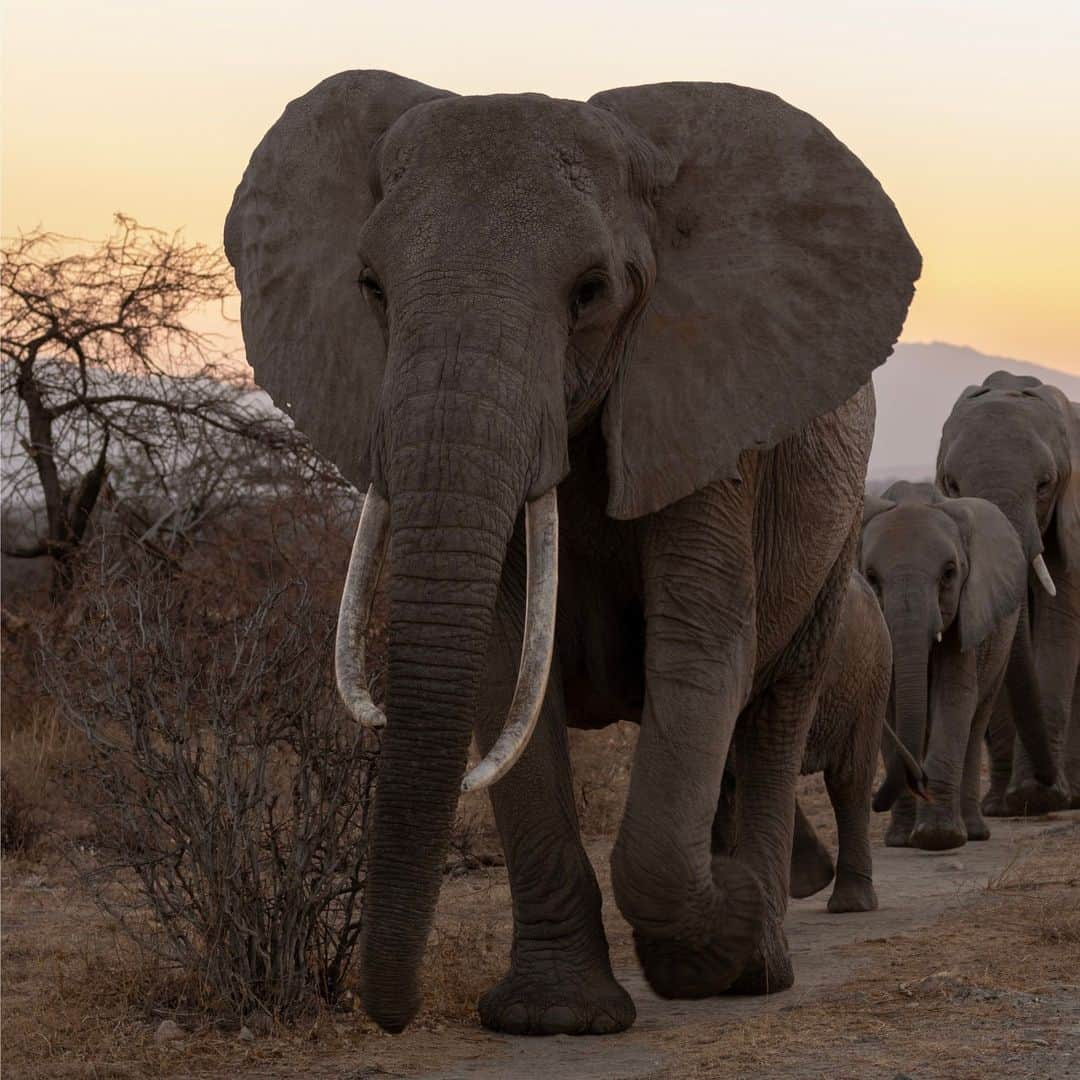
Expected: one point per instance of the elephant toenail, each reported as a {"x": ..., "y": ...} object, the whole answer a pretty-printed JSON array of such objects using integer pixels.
[
  {"x": 515, "y": 1020},
  {"x": 605, "y": 1024},
  {"x": 560, "y": 1020}
]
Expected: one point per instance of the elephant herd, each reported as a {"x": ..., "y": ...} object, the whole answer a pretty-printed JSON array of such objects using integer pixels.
[{"x": 604, "y": 370}]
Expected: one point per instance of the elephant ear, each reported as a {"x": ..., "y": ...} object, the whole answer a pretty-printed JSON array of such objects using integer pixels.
[
  {"x": 290, "y": 235},
  {"x": 874, "y": 505},
  {"x": 1067, "y": 514},
  {"x": 997, "y": 570},
  {"x": 783, "y": 276}
]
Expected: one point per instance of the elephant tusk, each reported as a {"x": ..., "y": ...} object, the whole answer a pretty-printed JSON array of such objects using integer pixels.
[
  {"x": 1038, "y": 564},
  {"x": 537, "y": 646},
  {"x": 368, "y": 551},
  {"x": 939, "y": 637}
]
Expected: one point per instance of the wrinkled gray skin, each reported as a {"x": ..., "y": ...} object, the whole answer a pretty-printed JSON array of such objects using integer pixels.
[
  {"x": 667, "y": 301},
  {"x": 952, "y": 567},
  {"x": 1015, "y": 441},
  {"x": 843, "y": 743}
]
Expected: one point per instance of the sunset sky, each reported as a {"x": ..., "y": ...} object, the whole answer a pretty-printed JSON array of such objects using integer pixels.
[{"x": 968, "y": 112}]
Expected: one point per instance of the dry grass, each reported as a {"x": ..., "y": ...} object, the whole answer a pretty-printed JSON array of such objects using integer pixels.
[{"x": 974, "y": 996}]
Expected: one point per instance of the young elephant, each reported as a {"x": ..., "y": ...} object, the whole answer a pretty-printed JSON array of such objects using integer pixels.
[
  {"x": 843, "y": 743},
  {"x": 950, "y": 576}
]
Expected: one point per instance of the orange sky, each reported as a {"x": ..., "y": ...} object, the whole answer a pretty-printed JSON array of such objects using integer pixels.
[{"x": 966, "y": 111}]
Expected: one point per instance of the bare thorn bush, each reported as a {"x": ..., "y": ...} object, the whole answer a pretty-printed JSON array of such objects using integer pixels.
[{"x": 231, "y": 792}]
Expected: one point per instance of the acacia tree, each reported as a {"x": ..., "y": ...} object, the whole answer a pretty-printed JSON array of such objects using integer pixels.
[{"x": 110, "y": 391}]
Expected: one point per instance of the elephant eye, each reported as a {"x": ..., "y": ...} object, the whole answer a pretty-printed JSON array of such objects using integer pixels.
[
  {"x": 950, "y": 485},
  {"x": 370, "y": 286},
  {"x": 586, "y": 292},
  {"x": 948, "y": 574},
  {"x": 1044, "y": 485}
]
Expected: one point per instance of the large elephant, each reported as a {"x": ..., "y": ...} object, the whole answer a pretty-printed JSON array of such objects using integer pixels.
[
  {"x": 1015, "y": 441},
  {"x": 950, "y": 576},
  {"x": 666, "y": 302}
]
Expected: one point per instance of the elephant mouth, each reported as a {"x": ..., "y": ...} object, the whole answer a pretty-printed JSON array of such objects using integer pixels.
[{"x": 538, "y": 642}]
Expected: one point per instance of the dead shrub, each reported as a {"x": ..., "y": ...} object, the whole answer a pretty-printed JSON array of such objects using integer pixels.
[{"x": 230, "y": 791}]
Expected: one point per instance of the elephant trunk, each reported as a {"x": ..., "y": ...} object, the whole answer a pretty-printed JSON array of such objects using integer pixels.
[
  {"x": 1022, "y": 684},
  {"x": 911, "y": 633},
  {"x": 457, "y": 461}
]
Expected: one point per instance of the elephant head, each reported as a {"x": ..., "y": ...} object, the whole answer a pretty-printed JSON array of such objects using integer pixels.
[
  {"x": 946, "y": 573},
  {"x": 1015, "y": 441},
  {"x": 442, "y": 290}
]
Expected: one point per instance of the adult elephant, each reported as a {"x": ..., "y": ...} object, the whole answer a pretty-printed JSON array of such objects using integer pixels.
[
  {"x": 1016, "y": 442},
  {"x": 666, "y": 302}
]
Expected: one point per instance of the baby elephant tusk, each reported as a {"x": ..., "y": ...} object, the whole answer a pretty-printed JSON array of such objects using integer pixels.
[
  {"x": 368, "y": 551},
  {"x": 537, "y": 646},
  {"x": 1038, "y": 564}
]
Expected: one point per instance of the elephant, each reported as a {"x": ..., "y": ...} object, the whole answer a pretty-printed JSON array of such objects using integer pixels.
[
  {"x": 843, "y": 742},
  {"x": 603, "y": 369},
  {"x": 949, "y": 574},
  {"x": 1016, "y": 441}
]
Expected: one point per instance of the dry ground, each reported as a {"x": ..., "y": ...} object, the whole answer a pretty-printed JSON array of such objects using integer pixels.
[{"x": 970, "y": 969}]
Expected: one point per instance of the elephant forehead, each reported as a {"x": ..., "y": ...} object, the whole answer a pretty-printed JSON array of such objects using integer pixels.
[
  {"x": 1012, "y": 410},
  {"x": 1001, "y": 425},
  {"x": 912, "y": 536},
  {"x": 530, "y": 143}
]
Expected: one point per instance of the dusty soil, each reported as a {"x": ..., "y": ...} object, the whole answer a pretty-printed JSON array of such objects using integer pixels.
[{"x": 970, "y": 968}]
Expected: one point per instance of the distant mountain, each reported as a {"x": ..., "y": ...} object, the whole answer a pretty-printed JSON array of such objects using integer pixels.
[{"x": 916, "y": 390}]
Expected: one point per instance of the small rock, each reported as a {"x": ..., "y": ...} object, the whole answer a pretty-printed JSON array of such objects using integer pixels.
[
  {"x": 34, "y": 881},
  {"x": 246, "y": 1034},
  {"x": 168, "y": 1031}
]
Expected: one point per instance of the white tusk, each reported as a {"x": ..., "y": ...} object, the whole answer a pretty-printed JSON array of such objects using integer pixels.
[
  {"x": 1045, "y": 580},
  {"x": 537, "y": 645},
  {"x": 939, "y": 637},
  {"x": 368, "y": 551}
]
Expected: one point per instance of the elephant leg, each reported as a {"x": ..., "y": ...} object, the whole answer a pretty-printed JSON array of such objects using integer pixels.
[
  {"x": 811, "y": 864},
  {"x": 1000, "y": 739},
  {"x": 769, "y": 745},
  {"x": 971, "y": 809},
  {"x": 901, "y": 821},
  {"x": 696, "y": 915},
  {"x": 1057, "y": 657},
  {"x": 770, "y": 739},
  {"x": 1072, "y": 748},
  {"x": 560, "y": 979},
  {"x": 850, "y": 793}
]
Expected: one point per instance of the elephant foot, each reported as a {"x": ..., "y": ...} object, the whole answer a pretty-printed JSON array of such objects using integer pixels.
[
  {"x": 898, "y": 834},
  {"x": 769, "y": 970},
  {"x": 811, "y": 871},
  {"x": 852, "y": 892},
  {"x": 680, "y": 968},
  {"x": 558, "y": 1002},
  {"x": 938, "y": 836},
  {"x": 1029, "y": 798},
  {"x": 993, "y": 804},
  {"x": 976, "y": 829}
]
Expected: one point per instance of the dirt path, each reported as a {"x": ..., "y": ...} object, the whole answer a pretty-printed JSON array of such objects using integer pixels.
[
  {"x": 914, "y": 888},
  {"x": 948, "y": 980}
]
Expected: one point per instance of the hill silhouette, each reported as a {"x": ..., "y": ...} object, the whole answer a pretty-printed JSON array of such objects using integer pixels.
[{"x": 916, "y": 390}]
